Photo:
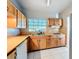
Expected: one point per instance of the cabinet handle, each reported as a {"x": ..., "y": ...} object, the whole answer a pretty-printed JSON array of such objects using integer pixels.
[{"x": 38, "y": 40}]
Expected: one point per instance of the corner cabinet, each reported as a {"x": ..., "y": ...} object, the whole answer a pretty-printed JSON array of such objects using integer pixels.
[{"x": 15, "y": 19}]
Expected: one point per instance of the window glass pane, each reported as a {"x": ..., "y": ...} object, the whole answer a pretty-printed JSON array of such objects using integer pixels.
[{"x": 37, "y": 24}]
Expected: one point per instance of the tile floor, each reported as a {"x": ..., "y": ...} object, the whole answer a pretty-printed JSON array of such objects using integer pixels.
[{"x": 54, "y": 53}]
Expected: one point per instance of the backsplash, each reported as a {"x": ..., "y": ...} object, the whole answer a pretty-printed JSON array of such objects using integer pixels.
[{"x": 13, "y": 31}]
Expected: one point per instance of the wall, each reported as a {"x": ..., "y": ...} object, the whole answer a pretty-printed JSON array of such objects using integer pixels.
[
  {"x": 67, "y": 25},
  {"x": 13, "y": 31},
  {"x": 38, "y": 14},
  {"x": 64, "y": 14}
]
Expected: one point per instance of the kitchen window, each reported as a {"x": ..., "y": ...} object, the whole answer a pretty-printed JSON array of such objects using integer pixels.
[{"x": 37, "y": 25}]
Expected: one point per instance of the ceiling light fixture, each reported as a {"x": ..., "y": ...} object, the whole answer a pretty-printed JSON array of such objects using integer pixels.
[{"x": 48, "y": 3}]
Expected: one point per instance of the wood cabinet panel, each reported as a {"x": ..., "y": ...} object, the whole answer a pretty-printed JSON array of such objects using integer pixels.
[
  {"x": 11, "y": 15},
  {"x": 55, "y": 21},
  {"x": 59, "y": 22},
  {"x": 12, "y": 55},
  {"x": 18, "y": 17},
  {"x": 51, "y": 21},
  {"x": 51, "y": 42},
  {"x": 23, "y": 21},
  {"x": 11, "y": 22},
  {"x": 34, "y": 43},
  {"x": 61, "y": 42},
  {"x": 42, "y": 42},
  {"x": 10, "y": 8}
]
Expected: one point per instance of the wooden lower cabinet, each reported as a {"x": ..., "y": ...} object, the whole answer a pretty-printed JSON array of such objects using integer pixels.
[
  {"x": 12, "y": 55},
  {"x": 37, "y": 43},
  {"x": 33, "y": 43},
  {"x": 42, "y": 42},
  {"x": 51, "y": 42},
  {"x": 61, "y": 42}
]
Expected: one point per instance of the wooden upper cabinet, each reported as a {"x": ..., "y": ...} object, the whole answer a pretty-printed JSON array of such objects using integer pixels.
[
  {"x": 23, "y": 21},
  {"x": 55, "y": 21},
  {"x": 15, "y": 19},
  {"x": 10, "y": 8},
  {"x": 37, "y": 43},
  {"x": 51, "y": 21},
  {"x": 11, "y": 22},
  {"x": 19, "y": 24},
  {"x": 59, "y": 22},
  {"x": 11, "y": 15},
  {"x": 19, "y": 15}
]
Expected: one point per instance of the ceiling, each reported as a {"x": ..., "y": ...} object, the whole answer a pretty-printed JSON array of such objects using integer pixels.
[{"x": 33, "y": 8}]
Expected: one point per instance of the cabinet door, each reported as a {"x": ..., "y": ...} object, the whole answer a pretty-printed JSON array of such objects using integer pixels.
[
  {"x": 51, "y": 42},
  {"x": 23, "y": 21},
  {"x": 11, "y": 17},
  {"x": 42, "y": 42},
  {"x": 11, "y": 22},
  {"x": 51, "y": 21},
  {"x": 12, "y": 55},
  {"x": 58, "y": 21},
  {"x": 48, "y": 40},
  {"x": 61, "y": 42},
  {"x": 21, "y": 50},
  {"x": 10, "y": 8},
  {"x": 34, "y": 43},
  {"x": 19, "y": 21}
]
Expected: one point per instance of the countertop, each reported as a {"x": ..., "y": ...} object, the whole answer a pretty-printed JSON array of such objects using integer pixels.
[{"x": 14, "y": 41}]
